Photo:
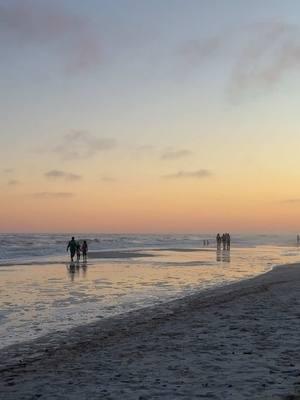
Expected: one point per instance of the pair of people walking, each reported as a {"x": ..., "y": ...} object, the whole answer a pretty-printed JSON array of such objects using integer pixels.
[
  {"x": 224, "y": 241},
  {"x": 75, "y": 248}
]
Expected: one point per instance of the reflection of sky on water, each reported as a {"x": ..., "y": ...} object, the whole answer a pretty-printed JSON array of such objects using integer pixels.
[{"x": 37, "y": 299}]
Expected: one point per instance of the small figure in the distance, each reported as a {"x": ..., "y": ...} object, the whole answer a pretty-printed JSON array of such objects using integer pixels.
[
  {"x": 298, "y": 239},
  {"x": 219, "y": 240},
  {"x": 223, "y": 238},
  {"x": 228, "y": 241},
  {"x": 72, "y": 245}
]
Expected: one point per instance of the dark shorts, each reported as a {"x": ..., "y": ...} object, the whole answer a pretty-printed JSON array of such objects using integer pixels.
[{"x": 72, "y": 252}]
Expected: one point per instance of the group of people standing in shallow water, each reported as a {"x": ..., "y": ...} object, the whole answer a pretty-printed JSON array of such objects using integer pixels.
[
  {"x": 223, "y": 241},
  {"x": 76, "y": 248}
]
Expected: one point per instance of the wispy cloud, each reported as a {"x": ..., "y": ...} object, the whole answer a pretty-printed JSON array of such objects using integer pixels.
[
  {"x": 53, "y": 195},
  {"x": 260, "y": 55},
  {"x": 271, "y": 50},
  {"x": 107, "y": 179},
  {"x": 146, "y": 148},
  {"x": 57, "y": 174},
  {"x": 199, "y": 174},
  {"x": 175, "y": 154},
  {"x": 13, "y": 182},
  {"x": 8, "y": 170},
  {"x": 291, "y": 201},
  {"x": 196, "y": 52},
  {"x": 36, "y": 23},
  {"x": 82, "y": 144}
]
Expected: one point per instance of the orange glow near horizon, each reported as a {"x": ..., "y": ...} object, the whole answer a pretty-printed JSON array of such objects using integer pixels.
[{"x": 162, "y": 207}]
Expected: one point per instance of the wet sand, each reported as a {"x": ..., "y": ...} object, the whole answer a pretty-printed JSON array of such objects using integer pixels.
[
  {"x": 119, "y": 254},
  {"x": 236, "y": 342}
]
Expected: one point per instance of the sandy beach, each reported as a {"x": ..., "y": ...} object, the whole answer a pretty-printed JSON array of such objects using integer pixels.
[{"x": 236, "y": 342}]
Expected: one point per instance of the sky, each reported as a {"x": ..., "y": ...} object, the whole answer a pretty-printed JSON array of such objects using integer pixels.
[{"x": 153, "y": 116}]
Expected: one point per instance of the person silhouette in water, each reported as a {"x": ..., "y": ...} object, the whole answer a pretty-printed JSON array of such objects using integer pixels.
[
  {"x": 72, "y": 245},
  {"x": 78, "y": 251},
  {"x": 84, "y": 249}
]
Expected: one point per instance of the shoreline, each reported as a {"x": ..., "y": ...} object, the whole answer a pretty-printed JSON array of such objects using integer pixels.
[
  {"x": 59, "y": 337},
  {"x": 122, "y": 254},
  {"x": 62, "y": 298},
  {"x": 170, "y": 327}
]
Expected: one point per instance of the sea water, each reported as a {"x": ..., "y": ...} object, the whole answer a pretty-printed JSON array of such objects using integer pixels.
[
  {"x": 43, "y": 247},
  {"x": 40, "y": 292}
]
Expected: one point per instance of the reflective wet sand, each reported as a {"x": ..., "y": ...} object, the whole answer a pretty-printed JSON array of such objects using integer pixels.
[{"x": 38, "y": 299}]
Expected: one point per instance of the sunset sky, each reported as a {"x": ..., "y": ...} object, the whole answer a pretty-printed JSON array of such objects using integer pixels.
[{"x": 149, "y": 116}]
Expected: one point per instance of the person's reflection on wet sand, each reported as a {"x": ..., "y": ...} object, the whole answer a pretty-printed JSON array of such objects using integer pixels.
[
  {"x": 71, "y": 270},
  {"x": 84, "y": 269},
  {"x": 223, "y": 256},
  {"x": 226, "y": 256},
  {"x": 77, "y": 269}
]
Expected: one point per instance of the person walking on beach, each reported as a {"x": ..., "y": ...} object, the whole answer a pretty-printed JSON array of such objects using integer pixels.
[
  {"x": 72, "y": 245},
  {"x": 84, "y": 249}
]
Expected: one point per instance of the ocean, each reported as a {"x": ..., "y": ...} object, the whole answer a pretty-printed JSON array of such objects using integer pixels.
[{"x": 23, "y": 248}]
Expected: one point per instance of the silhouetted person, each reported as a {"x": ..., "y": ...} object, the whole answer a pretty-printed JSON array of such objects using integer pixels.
[
  {"x": 84, "y": 249},
  {"x": 78, "y": 251},
  {"x": 72, "y": 245},
  {"x": 228, "y": 239},
  {"x": 219, "y": 240},
  {"x": 224, "y": 241},
  {"x": 298, "y": 239}
]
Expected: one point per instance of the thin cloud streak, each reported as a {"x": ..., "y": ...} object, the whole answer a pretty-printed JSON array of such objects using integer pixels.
[
  {"x": 146, "y": 148},
  {"x": 199, "y": 174},
  {"x": 13, "y": 182},
  {"x": 53, "y": 195},
  {"x": 108, "y": 179},
  {"x": 57, "y": 174},
  {"x": 175, "y": 154},
  {"x": 290, "y": 201},
  {"x": 82, "y": 144}
]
